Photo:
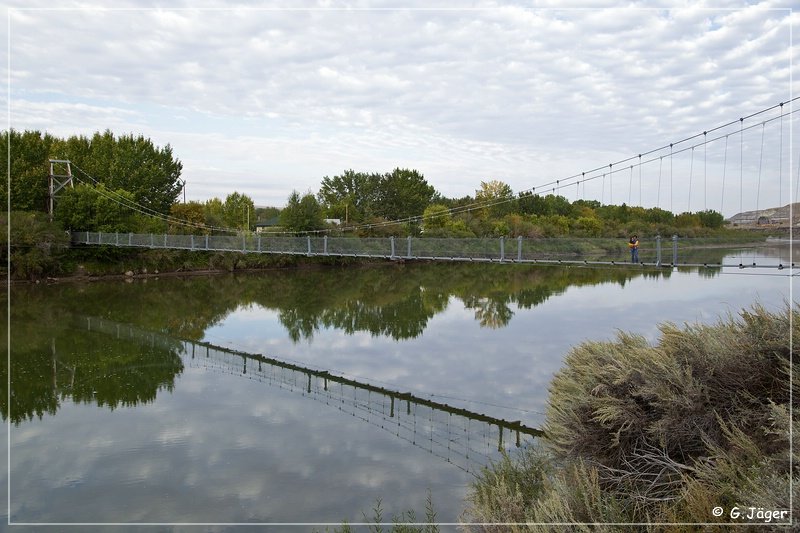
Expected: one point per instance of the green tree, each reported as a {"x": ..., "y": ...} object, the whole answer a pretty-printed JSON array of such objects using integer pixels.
[
  {"x": 436, "y": 217},
  {"x": 266, "y": 213},
  {"x": 193, "y": 216},
  {"x": 403, "y": 193},
  {"x": 130, "y": 163},
  {"x": 351, "y": 196},
  {"x": 239, "y": 212},
  {"x": 212, "y": 210},
  {"x": 37, "y": 245},
  {"x": 302, "y": 213},
  {"x": 30, "y": 151},
  {"x": 88, "y": 208},
  {"x": 711, "y": 219},
  {"x": 497, "y": 197}
]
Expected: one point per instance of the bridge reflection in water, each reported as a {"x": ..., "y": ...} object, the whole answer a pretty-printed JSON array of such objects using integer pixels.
[{"x": 466, "y": 439}]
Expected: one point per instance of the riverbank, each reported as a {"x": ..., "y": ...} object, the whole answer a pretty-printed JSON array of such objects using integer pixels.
[
  {"x": 666, "y": 434},
  {"x": 96, "y": 263}
]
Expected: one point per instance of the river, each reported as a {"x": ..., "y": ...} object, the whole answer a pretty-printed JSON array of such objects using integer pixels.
[{"x": 304, "y": 397}]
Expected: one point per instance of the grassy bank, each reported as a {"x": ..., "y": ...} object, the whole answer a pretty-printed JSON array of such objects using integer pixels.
[
  {"x": 105, "y": 261},
  {"x": 658, "y": 434}
]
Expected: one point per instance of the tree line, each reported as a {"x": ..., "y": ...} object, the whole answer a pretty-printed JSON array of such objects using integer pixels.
[{"x": 127, "y": 183}]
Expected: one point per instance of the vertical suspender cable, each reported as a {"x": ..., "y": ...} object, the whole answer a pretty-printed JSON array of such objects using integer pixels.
[
  {"x": 760, "y": 161},
  {"x": 658, "y": 194},
  {"x": 796, "y": 185},
  {"x": 780, "y": 164},
  {"x": 741, "y": 165},
  {"x": 670, "y": 179},
  {"x": 640, "y": 180},
  {"x": 724, "y": 168},
  {"x": 630, "y": 186},
  {"x": 610, "y": 184},
  {"x": 705, "y": 171},
  {"x": 603, "y": 190},
  {"x": 691, "y": 171}
]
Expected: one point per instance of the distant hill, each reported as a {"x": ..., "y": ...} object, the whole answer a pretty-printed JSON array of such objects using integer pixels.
[{"x": 769, "y": 216}]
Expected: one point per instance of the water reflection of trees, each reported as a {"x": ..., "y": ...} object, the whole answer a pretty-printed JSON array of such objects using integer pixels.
[
  {"x": 53, "y": 362},
  {"x": 396, "y": 301}
]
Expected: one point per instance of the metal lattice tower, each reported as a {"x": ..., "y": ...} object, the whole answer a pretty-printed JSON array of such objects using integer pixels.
[{"x": 56, "y": 182}]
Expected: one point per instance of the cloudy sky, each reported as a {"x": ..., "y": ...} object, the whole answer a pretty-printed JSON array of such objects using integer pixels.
[{"x": 262, "y": 99}]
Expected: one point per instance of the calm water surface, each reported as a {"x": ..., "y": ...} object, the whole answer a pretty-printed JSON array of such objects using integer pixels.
[{"x": 207, "y": 400}]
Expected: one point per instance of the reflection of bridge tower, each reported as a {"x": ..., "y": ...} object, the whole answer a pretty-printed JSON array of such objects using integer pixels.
[{"x": 464, "y": 438}]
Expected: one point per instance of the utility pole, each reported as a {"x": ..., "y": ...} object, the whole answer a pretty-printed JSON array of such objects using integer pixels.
[{"x": 55, "y": 183}]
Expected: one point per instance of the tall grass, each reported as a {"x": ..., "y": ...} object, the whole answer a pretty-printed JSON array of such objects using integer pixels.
[{"x": 657, "y": 434}]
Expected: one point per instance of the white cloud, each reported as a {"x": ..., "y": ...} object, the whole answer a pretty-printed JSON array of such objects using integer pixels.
[{"x": 461, "y": 95}]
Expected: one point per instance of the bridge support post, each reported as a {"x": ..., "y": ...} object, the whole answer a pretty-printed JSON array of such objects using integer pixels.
[
  {"x": 408, "y": 253},
  {"x": 502, "y": 249},
  {"x": 519, "y": 248},
  {"x": 674, "y": 250},
  {"x": 54, "y": 183},
  {"x": 658, "y": 250},
  {"x": 308, "y": 241},
  {"x": 391, "y": 241}
]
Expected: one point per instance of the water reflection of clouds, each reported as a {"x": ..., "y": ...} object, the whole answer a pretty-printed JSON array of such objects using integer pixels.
[{"x": 256, "y": 462}]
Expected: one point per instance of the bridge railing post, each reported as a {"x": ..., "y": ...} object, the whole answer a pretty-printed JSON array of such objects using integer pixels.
[
  {"x": 87, "y": 237},
  {"x": 130, "y": 238},
  {"x": 408, "y": 252},
  {"x": 206, "y": 242},
  {"x": 674, "y": 250},
  {"x": 502, "y": 249},
  {"x": 192, "y": 240},
  {"x": 658, "y": 250},
  {"x": 244, "y": 242},
  {"x": 165, "y": 240},
  {"x": 325, "y": 244},
  {"x": 308, "y": 241},
  {"x": 258, "y": 238},
  {"x": 152, "y": 241},
  {"x": 116, "y": 238},
  {"x": 391, "y": 241},
  {"x": 519, "y": 248}
]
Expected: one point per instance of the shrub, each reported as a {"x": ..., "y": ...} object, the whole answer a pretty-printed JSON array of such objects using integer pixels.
[
  {"x": 661, "y": 433},
  {"x": 36, "y": 246}
]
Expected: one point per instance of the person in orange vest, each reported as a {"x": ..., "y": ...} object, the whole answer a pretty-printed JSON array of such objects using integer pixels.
[{"x": 633, "y": 244}]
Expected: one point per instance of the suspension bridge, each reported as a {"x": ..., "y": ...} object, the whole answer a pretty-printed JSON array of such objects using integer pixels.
[
  {"x": 467, "y": 439},
  {"x": 655, "y": 252},
  {"x": 753, "y": 145}
]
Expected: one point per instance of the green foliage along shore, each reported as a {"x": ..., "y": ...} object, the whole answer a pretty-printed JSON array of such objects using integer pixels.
[{"x": 658, "y": 434}]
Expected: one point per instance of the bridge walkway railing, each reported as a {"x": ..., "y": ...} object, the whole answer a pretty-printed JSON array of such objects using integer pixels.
[{"x": 655, "y": 251}]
